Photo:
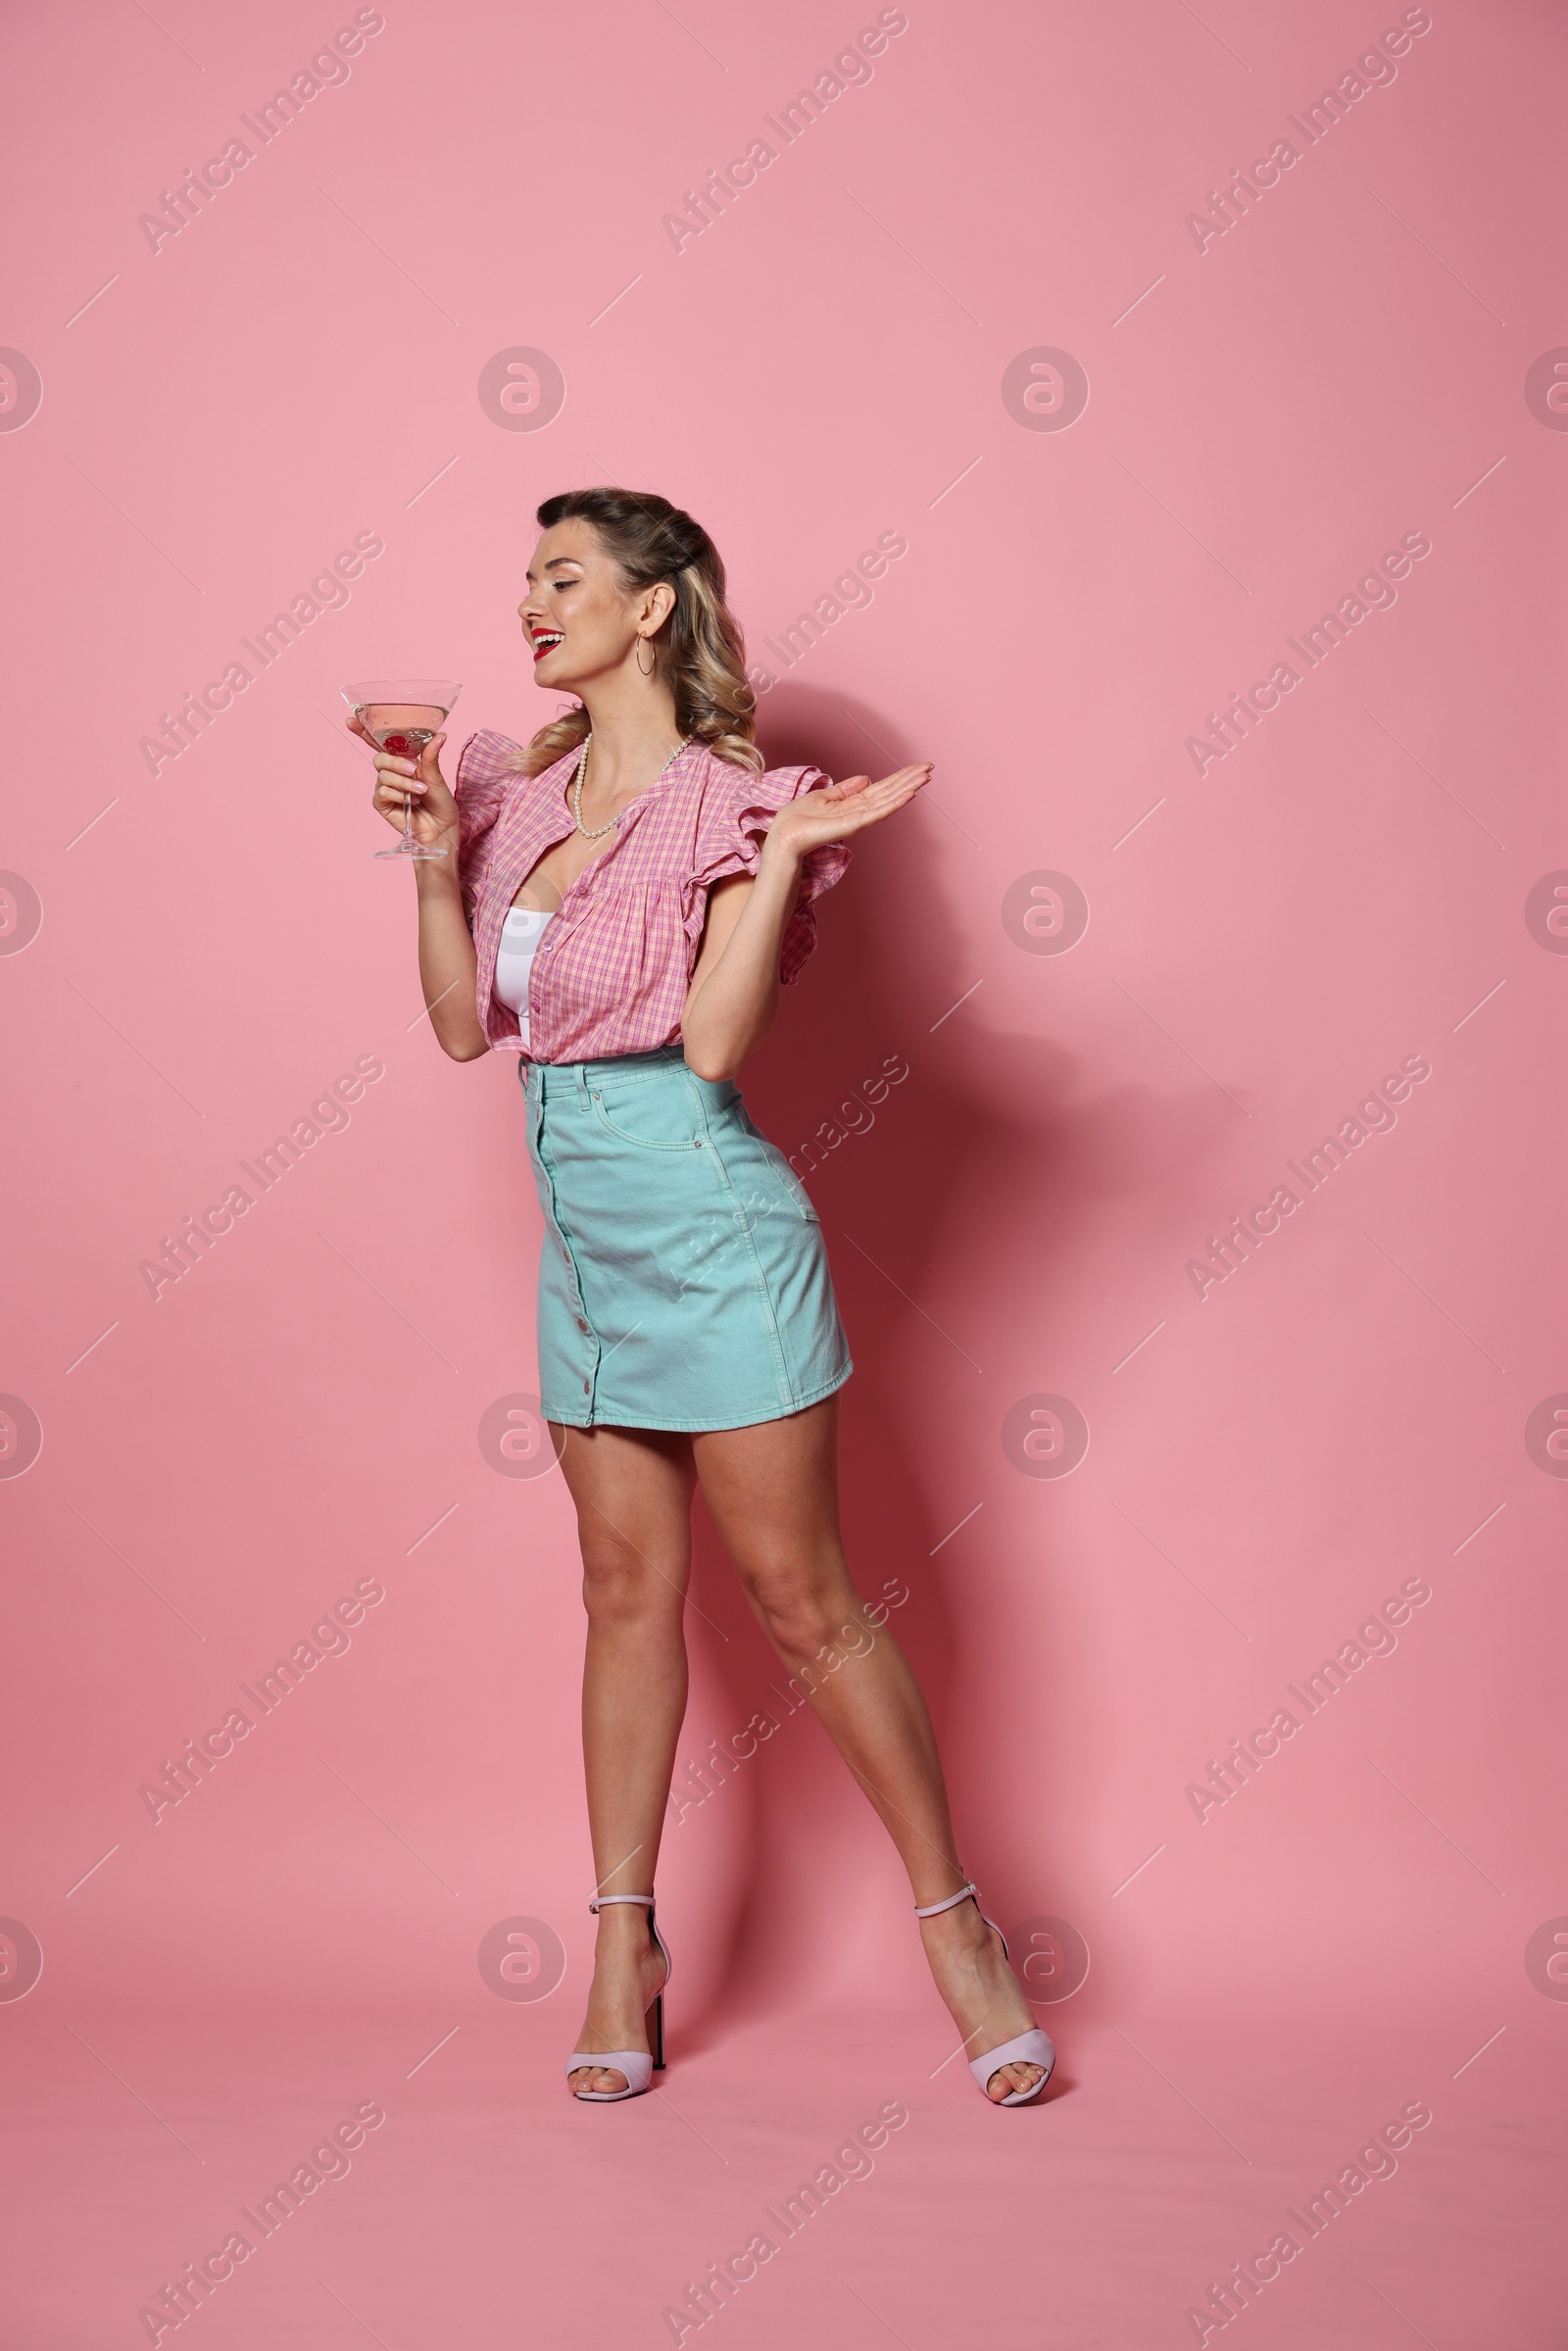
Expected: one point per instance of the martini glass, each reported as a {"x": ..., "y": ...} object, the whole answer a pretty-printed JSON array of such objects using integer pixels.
[{"x": 400, "y": 715}]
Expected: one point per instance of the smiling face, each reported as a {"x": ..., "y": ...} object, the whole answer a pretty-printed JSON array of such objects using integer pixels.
[{"x": 580, "y": 622}]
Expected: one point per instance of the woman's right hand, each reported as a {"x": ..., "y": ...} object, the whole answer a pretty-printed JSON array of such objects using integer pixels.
[{"x": 434, "y": 823}]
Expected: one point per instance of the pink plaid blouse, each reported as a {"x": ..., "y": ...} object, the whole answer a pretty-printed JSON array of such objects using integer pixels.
[{"x": 613, "y": 969}]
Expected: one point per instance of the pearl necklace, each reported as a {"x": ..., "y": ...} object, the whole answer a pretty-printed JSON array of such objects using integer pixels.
[{"x": 600, "y": 830}]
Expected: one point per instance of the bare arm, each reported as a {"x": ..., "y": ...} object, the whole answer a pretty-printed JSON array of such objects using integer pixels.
[
  {"x": 447, "y": 964},
  {"x": 734, "y": 990}
]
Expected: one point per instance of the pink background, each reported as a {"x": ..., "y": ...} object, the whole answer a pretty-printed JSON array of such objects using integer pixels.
[{"x": 1267, "y": 1464}]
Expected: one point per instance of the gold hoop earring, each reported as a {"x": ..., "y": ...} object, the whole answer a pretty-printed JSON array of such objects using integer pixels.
[{"x": 638, "y": 656}]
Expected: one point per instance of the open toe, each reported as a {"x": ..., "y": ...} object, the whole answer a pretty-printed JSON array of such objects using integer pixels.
[
  {"x": 631, "y": 2071},
  {"x": 1028, "y": 2056},
  {"x": 1019, "y": 2083}
]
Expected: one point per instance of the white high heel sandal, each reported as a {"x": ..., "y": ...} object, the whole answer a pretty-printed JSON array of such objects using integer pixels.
[
  {"x": 638, "y": 2064},
  {"x": 1027, "y": 2048}
]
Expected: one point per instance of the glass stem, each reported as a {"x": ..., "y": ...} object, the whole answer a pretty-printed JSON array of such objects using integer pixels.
[{"x": 407, "y": 819}]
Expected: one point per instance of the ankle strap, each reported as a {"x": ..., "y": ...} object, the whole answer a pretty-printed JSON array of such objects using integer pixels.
[
  {"x": 598, "y": 1901},
  {"x": 951, "y": 1903}
]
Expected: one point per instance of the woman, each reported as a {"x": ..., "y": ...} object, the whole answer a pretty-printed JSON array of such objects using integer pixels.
[{"x": 620, "y": 905}]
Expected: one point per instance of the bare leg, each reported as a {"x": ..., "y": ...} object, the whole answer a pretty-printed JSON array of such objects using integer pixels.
[
  {"x": 773, "y": 1494},
  {"x": 633, "y": 1492}
]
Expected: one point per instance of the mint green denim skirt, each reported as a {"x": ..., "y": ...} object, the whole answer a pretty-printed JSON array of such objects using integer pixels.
[{"x": 683, "y": 1282}]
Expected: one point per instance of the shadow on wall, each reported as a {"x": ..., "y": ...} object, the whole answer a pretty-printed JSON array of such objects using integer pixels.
[{"x": 992, "y": 1155}]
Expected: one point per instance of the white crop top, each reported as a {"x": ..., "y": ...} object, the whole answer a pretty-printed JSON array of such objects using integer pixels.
[{"x": 521, "y": 935}]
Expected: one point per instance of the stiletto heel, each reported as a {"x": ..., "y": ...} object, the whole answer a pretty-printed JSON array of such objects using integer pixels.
[
  {"x": 638, "y": 2064},
  {"x": 1026, "y": 2048}
]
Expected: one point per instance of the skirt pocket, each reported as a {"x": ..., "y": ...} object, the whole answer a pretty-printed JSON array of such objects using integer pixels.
[{"x": 654, "y": 1114}]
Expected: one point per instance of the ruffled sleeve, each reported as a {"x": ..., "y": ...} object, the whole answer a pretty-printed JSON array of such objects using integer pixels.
[
  {"x": 488, "y": 772},
  {"x": 738, "y": 809}
]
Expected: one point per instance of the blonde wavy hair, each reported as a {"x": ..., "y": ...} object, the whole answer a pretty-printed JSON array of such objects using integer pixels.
[{"x": 698, "y": 652}]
